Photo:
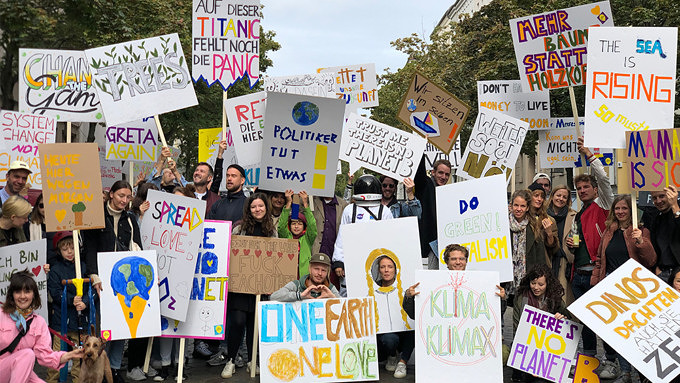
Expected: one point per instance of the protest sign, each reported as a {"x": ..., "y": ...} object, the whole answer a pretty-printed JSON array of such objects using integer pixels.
[
  {"x": 544, "y": 346},
  {"x": 226, "y": 41},
  {"x": 381, "y": 148},
  {"x": 367, "y": 245},
  {"x": 357, "y": 84},
  {"x": 301, "y": 143},
  {"x": 57, "y": 84},
  {"x": 72, "y": 186},
  {"x": 318, "y": 340},
  {"x": 432, "y": 155},
  {"x": 111, "y": 171},
  {"x": 551, "y": 47},
  {"x": 493, "y": 147},
  {"x": 141, "y": 78},
  {"x": 458, "y": 327},
  {"x": 631, "y": 83},
  {"x": 133, "y": 141},
  {"x": 147, "y": 167},
  {"x": 557, "y": 147},
  {"x": 27, "y": 255},
  {"x": 653, "y": 158},
  {"x": 261, "y": 265},
  {"x": 474, "y": 214},
  {"x": 433, "y": 112},
  {"x": 208, "y": 145},
  {"x": 317, "y": 84},
  {"x": 507, "y": 97},
  {"x": 246, "y": 123},
  {"x": 207, "y": 312},
  {"x": 22, "y": 134},
  {"x": 637, "y": 314},
  {"x": 173, "y": 226},
  {"x": 129, "y": 298}
]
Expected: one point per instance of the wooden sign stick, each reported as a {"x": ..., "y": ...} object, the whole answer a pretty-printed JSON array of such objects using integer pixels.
[
  {"x": 224, "y": 116},
  {"x": 160, "y": 130},
  {"x": 76, "y": 242},
  {"x": 180, "y": 365},
  {"x": 574, "y": 111},
  {"x": 633, "y": 209},
  {"x": 149, "y": 346},
  {"x": 253, "y": 367}
]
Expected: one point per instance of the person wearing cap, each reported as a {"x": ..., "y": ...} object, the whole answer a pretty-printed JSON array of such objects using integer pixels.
[
  {"x": 17, "y": 175},
  {"x": 302, "y": 228},
  {"x": 314, "y": 285},
  {"x": 543, "y": 180}
]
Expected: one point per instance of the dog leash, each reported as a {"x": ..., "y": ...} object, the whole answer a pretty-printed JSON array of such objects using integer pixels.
[{"x": 65, "y": 339}]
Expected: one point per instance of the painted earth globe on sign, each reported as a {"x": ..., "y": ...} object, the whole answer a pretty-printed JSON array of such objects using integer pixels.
[{"x": 305, "y": 113}]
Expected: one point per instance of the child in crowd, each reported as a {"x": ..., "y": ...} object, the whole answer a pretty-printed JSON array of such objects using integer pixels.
[{"x": 302, "y": 228}]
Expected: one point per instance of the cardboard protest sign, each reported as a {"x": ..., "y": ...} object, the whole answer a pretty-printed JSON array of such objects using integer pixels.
[
  {"x": 129, "y": 295},
  {"x": 226, "y": 41},
  {"x": 544, "y": 346},
  {"x": 653, "y": 157},
  {"x": 551, "y": 47},
  {"x": 301, "y": 143},
  {"x": 141, "y": 78},
  {"x": 57, "y": 84},
  {"x": 208, "y": 145},
  {"x": 22, "y": 134},
  {"x": 246, "y": 123},
  {"x": 30, "y": 255},
  {"x": 432, "y": 154},
  {"x": 133, "y": 141},
  {"x": 381, "y": 148},
  {"x": 318, "y": 340},
  {"x": 173, "y": 226},
  {"x": 506, "y": 96},
  {"x": 636, "y": 313},
  {"x": 261, "y": 265},
  {"x": 494, "y": 146},
  {"x": 357, "y": 84},
  {"x": 474, "y": 214},
  {"x": 391, "y": 242},
  {"x": 207, "y": 312},
  {"x": 458, "y": 327},
  {"x": 111, "y": 170},
  {"x": 433, "y": 112},
  {"x": 72, "y": 187},
  {"x": 317, "y": 84},
  {"x": 631, "y": 82},
  {"x": 557, "y": 147}
]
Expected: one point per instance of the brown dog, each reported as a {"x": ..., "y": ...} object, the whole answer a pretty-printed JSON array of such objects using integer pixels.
[{"x": 95, "y": 363}]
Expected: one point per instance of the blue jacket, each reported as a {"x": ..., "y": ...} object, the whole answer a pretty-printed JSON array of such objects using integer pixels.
[{"x": 63, "y": 269}]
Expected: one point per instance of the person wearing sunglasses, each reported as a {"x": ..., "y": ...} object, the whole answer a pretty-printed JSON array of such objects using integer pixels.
[{"x": 408, "y": 208}]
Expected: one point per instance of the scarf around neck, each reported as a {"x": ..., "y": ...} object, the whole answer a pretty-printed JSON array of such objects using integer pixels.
[
  {"x": 519, "y": 248},
  {"x": 19, "y": 317}
]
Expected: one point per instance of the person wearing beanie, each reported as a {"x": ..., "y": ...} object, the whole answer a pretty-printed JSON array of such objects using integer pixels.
[{"x": 302, "y": 228}]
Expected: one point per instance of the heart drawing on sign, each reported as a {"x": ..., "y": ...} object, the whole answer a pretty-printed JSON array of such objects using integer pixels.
[
  {"x": 280, "y": 254},
  {"x": 235, "y": 251},
  {"x": 269, "y": 253},
  {"x": 291, "y": 256},
  {"x": 595, "y": 10},
  {"x": 246, "y": 251},
  {"x": 258, "y": 253},
  {"x": 60, "y": 214},
  {"x": 36, "y": 270},
  {"x": 210, "y": 262}
]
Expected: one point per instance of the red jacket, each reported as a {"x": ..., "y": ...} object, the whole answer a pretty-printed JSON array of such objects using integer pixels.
[
  {"x": 643, "y": 253},
  {"x": 592, "y": 225}
]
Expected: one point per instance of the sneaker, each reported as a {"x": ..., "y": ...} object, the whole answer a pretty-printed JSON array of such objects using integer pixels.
[
  {"x": 136, "y": 374},
  {"x": 624, "y": 378},
  {"x": 163, "y": 374},
  {"x": 218, "y": 359},
  {"x": 184, "y": 377},
  {"x": 228, "y": 370},
  {"x": 202, "y": 349},
  {"x": 391, "y": 364},
  {"x": 239, "y": 361},
  {"x": 257, "y": 368},
  {"x": 400, "y": 371},
  {"x": 152, "y": 372},
  {"x": 609, "y": 370}
]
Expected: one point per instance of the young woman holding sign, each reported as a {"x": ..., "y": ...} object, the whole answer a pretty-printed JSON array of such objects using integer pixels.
[{"x": 564, "y": 215}]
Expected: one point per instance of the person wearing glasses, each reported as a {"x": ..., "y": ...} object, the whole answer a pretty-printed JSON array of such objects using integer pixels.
[
  {"x": 543, "y": 180},
  {"x": 409, "y": 208}
]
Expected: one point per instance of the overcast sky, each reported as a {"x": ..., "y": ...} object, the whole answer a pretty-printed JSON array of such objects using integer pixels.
[{"x": 322, "y": 33}]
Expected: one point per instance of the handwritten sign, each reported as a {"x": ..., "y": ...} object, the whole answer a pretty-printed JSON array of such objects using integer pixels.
[
  {"x": 133, "y": 141},
  {"x": 631, "y": 82},
  {"x": 653, "y": 158},
  {"x": 301, "y": 143},
  {"x": 129, "y": 298},
  {"x": 246, "y": 123},
  {"x": 432, "y": 154},
  {"x": 262, "y": 265},
  {"x": 111, "y": 170},
  {"x": 207, "y": 312},
  {"x": 57, "y": 84},
  {"x": 557, "y": 147},
  {"x": 318, "y": 340},
  {"x": 140, "y": 78},
  {"x": 381, "y": 148},
  {"x": 357, "y": 85},
  {"x": 458, "y": 327},
  {"x": 22, "y": 134},
  {"x": 544, "y": 346},
  {"x": 433, "y": 112},
  {"x": 494, "y": 146},
  {"x": 208, "y": 145},
  {"x": 551, "y": 47},
  {"x": 226, "y": 41},
  {"x": 28, "y": 255},
  {"x": 72, "y": 187},
  {"x": 173, "y": 226},
  {"x": 317, "y": 84},
  {"x": 474, "y": 214},
  {"x": 506, "y": 96},
  {"x": 637, "y": 314}
]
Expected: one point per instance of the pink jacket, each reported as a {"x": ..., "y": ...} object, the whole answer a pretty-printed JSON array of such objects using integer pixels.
[
  {"x": 643, "y": 253},
  {"x": 38, "y": 338}
]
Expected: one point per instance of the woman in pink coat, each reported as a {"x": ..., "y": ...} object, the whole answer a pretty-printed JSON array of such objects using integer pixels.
[{"x": 17, "y": 359}]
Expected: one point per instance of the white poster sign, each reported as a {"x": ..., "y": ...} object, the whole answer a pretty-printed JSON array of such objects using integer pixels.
[
  {"x": 317, "y": 84},
  {"x": 30, "y": 255},
  {"x": 557, "y": 147},
  {"x": 506, "y": 96},
  {"x": 246, "y": 123},
  {"x": 357, "y": 84},
  {"x": 133, "y": 141}
]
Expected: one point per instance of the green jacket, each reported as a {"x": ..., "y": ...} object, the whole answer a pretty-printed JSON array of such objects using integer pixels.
[{"x": 307, "y": 239}]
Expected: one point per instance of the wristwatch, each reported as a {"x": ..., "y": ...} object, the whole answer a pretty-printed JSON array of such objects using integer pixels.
[{"x": 677, "y": 214}]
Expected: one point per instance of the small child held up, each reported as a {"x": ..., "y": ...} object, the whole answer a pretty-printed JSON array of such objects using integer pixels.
[
  {"x": 302, "y": 228},
  {"x": 64, "y": 268}
]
